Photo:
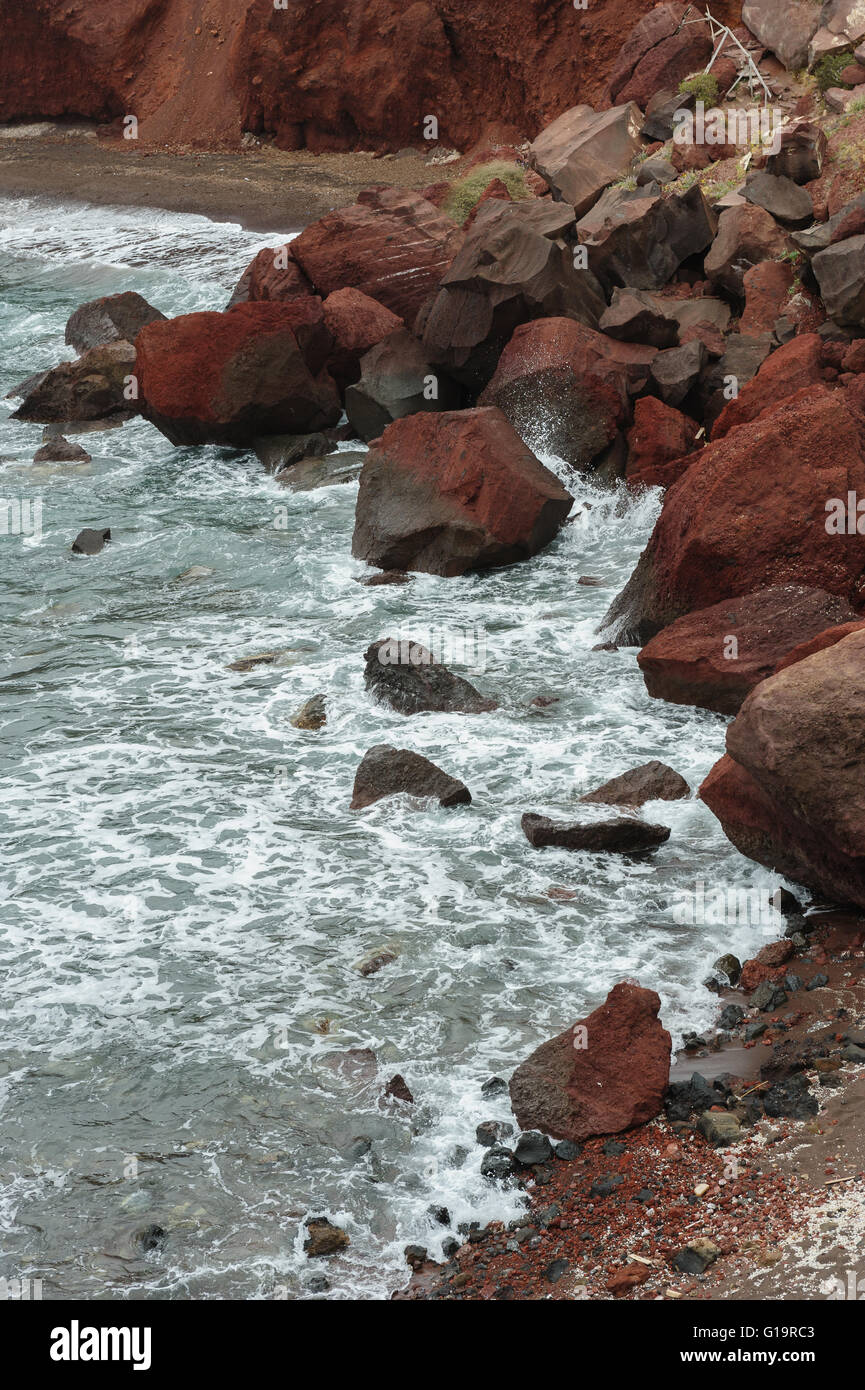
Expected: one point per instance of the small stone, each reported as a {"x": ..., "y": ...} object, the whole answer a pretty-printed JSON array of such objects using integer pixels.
[
  {"x": 90, "y": 542},
  {"x": 696, "y": 1257},
  {"x": 497, "y": 1164},
  {"x": 603, "y": 1187},
  {"x": 533, "y": 1147},
  {"x": 60, "y": 450},
  {"x": 767, "y": 996},
  {"x": 490, "y": 1132},
  {"x": 728, "y": 968},
  {"x": 311, "y": 715},
  {"x": 397, "y": 1089},
  {"x": 415, "y": 1256},
  {"x": 701, "y": 1189},
  {"x": 376, "y": 960},
  {"x": 720, "y": 1128},
  {"x": 567, "y": 1150},
  {"x": 495, "y": 1086},
  {"x": 817, "y": 981},
  {"x": 852, "y": 1053},
  {"x": 731, "y": 1017},
  {"x": 324, "y": 1238},
  {"x": 554, "y": 1271},
  {"x": 319, "y": 1283},
  {"x": 440, "y": 1215},
  {"x": 614, "y": 1148}
]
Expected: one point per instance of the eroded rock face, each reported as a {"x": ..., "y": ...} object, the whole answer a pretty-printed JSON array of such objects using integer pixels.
[
  {"x": 794, "y": 367},
  {"x": 790, "y": 793},
  {"x": 747, "y": 235},
  {"x": 750, "y": 512},
  {"x": 661, "y": 444},
  {"x": 713, "y": 658},
  {"x": 272, "y": 274},
  {"x": 228, "y": 378},
  {"x": 404, "y": 675},
  {"x": 604, "y": 1075},
  {"x": 387, "y": 771},
  {"x": 391, "y": 244},
  {"x": 452, "y": 492},
  {"x": 840, "y": 272},
  {"x": 95, "y": 387},
  {"x": 356, "y": 323},
  {"x": 113, "y": 319}
]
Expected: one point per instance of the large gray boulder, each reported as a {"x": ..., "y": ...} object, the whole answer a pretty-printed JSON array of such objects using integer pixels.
[
  {"x": 840, "y": 272},
  {"x": 584, "y": 151},
  {"x": 397, "y": 379},
  {"x": 113, "y": 319},
  {"x": 785, "y": 26},
  {"x": 638, "y": 239}
]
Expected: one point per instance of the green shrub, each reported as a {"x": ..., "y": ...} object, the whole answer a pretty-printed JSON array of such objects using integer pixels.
[
  {"x": 466, "y": 192},
  {"x": 703, "y": 87},
  {"x": 829, "y": 69}
]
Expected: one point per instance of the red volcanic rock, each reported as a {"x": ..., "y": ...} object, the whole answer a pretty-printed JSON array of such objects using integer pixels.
[
  {"x": 750, "y": 512},
  {"x": 794, "y": 367},
  {"x": 747, "y": 236},
  {"x": 227, "y": 378},
  {"x": 714, "y": 657},
  {"x": 272, "y": 274},
  {"x": 665, "y": 65},
  {"x": 791, "y": 792},
  {"x": 391, "y": 244},
  {"x": 565, "y": 387},
  {"x": 497, "y": 191},
  {"x": 452, "y": 492},
  {"x": 605, "y": 1074},
  {"x": 661, "y": 444},
  {"x": 766, "y": 288},
  {"x": 356, "y": 323},
  {"x": 765, "y": 965},
  {"x": 824, "y": 639}
]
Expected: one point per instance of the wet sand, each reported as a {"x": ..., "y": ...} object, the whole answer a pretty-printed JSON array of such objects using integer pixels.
[{"x": 262, "y": 188}]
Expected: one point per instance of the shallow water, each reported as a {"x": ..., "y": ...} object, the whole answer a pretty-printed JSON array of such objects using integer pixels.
[{"x": 185, "y": 894}]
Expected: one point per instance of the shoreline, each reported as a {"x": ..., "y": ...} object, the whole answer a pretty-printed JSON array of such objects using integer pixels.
[{"x": 262, "y": 189}]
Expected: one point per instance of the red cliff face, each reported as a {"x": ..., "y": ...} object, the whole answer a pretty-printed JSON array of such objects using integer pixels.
[{"x": 322, "y": 74}]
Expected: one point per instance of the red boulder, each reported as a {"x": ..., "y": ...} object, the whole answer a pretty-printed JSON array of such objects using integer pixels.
[
  {"x": 750, "y": 512},
  {"x": 227, "y": 378},
  {"x": 661, "y": 444},
  {"x": 607, "y": 1073},
  {"x": 272, "y": 274},
  {"x": 391, "y": 244},
  {"x": 795, "y": 366},
  {"x": 456, "y": 491},
  {"x": 715, "y": 656}
]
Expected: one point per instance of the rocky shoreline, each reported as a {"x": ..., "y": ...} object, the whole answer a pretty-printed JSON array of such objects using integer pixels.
[{"x": 686, "y": 313}]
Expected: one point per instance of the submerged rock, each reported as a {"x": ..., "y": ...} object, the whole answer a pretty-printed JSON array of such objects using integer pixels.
[
  {"x": 404, "y": 675},
  {"x": 323, "y": 1237},
  {"x": 90, "y": 542},
  {"x": 59, "y": 450},
  {"x": 387, "y": 771},
  {"x": 93, "y": 387},
  {"x": 311, "y": 715},
  {"x": 613, "y": 834},
  {"x": 605, "y": 1074}
]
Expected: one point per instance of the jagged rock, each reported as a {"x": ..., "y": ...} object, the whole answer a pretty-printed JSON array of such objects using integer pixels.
[
  {"x": 584, "y": 151},
  {"x": 397, "y": 379},
  {"x": 676, "y": 371},
  {"x": 781, "y": 197},
  {"x": 311, "y": 715},
  {"x": 356, "y": 324},
  {"x": 607, "y": 834},
  {"x": 797, "y": 366},
  {"x": 660, "y": 444},
  {"x": 640, "y": 241},
  {"x": 323, "y": 1238},
  {"x": 743, "y": 356},
  {"x": 310, "y": 473},
  {"x": 746, "y": 236},
  {"x": 514, "y": 266},
  {"x": 272, "y": 274},
  {"x": 453, "y": 492},
  {"x": 840, "y": 272},
  {"x": 280, "y": 451},
  {"x": 605, "y": 1074},
  {"x": 714, "y": 657},
  {"x": 801, "y": 153},
  {"x": 635, "y": 316},
  {"x": 387, "y": 771},
  {"x": 784, "y": 26},
  {"x": 656, "y": 169},
  {"x": 115, "y": 318},
  {"x": 404, "y": 675},
  {"x": 654, "y": 781},
  {"x": 93, "y": 387}
]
